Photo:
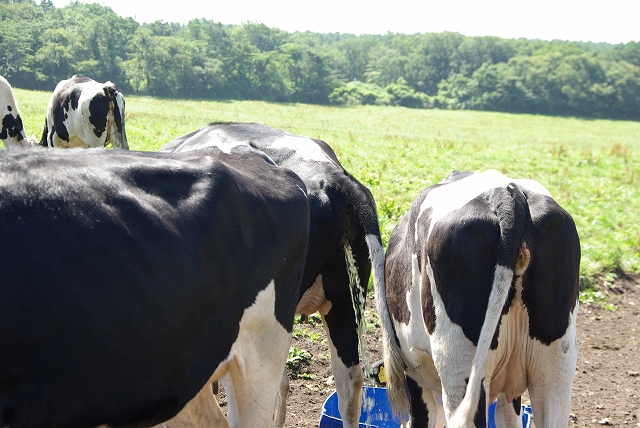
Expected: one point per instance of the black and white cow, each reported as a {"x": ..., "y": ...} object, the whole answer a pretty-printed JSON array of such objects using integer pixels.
[
  {"x": 12, "y": 131},
  {"x": 481, "y": 302},
  {"x": 85, "y": 113},
  {"x": 205, "y": 257},
  {"x": 342, "y": 211}
]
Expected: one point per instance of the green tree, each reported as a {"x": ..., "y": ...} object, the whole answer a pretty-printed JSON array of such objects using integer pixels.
[
  {"x": 20, "y": 24},
  {"x": 357, "y": 93},
  {"x": 354, "y": 57},
  {"x": 432, "y": 61},
  {"x": 473, "y": 52},
  {"x": 310, "y": 73}
]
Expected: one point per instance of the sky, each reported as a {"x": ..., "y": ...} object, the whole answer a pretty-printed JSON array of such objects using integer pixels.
[{"x": 612, "y": 21}]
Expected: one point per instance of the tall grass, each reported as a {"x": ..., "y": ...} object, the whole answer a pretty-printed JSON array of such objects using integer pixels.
[{"x": 592, "y": 167}]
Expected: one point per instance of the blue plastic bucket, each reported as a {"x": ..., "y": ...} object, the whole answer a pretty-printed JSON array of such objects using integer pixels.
[
  {"x": 376, "y": 412},
  {"x": 526, "y": 416}
]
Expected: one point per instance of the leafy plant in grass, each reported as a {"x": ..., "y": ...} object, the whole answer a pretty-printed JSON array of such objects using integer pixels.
[
  {"x": 297, "y": 356},
  {"x": 371, "y": 319},
  {"x": 307, "y": 334},
  {"x": 313, "y": 319},
  {"x": 592, "y": 296}
]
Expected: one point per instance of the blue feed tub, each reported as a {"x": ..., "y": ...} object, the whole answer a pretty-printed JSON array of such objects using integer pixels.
[{"x": 378, "y": 415}]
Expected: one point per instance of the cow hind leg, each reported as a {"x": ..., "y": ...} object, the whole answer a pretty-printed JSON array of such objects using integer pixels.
[
  {"x": 255, "y": 380},
  {"x": 232, "y": 407},
  {"x": 349, "y": 378},
  {"x": 508, "y": 415},
  {"x": 424, "y": 409},
  {"x": 258, "y": 358},
  {"x": 550, "y": 385},
  {"x": 281, "y": 401},
  {"x": 551, "y": 378},
  {"x": 202, "y": 411}
]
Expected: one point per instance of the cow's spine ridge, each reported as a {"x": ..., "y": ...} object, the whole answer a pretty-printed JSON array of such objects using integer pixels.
[{"x": 512, "y": 211}]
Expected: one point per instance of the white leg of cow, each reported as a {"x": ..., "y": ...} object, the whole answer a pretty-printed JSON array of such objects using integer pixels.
[
  {"x": 432, "y": 407},
  {"x": 440, "y": 420},
  {"x": 452, "y": 354},
  {"x": 424, "y": 405},
  {"x": 256, "y": 362},
  {"x": 281, "y": 401},
  {"x": 551, "y": 377},
  {"x": 202, "y": 411},
  {"x": 429, "y": 401},
  {"x": 349, "y": 381},
  {"x": 505, "y": 415}
]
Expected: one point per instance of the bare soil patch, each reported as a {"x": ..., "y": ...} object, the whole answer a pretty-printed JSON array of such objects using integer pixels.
[{"x": 606, "y": 387}]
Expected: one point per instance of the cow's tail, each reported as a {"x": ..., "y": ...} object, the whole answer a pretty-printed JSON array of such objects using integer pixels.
[
  {"x": 394, "y": 366},
  {"x": 512, "y": 210},
  {"x": 43, "y": 141},
  {"x": 115, "y": 131},
  {"x": 393, "y": 363},
  {"x": 364, "y": 205}
]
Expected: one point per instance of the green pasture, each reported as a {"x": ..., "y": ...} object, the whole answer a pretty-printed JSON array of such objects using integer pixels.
[{"x": 592, "y": 167}]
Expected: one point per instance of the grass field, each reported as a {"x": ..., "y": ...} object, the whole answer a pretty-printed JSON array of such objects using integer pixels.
[{"x": 592, "y": 167}]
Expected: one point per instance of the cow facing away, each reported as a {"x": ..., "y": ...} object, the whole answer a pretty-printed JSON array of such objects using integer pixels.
[
  {"x": 206, "y": 257},
  {"x": 342, "y": 211},
  {"x": 481, "y": 303},
  {"x": 85, "y": 113},
  {"x": 12, "y": 131}
]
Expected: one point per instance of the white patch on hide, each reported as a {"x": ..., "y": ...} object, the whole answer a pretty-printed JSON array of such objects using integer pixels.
[
  {"x": 455, "y": 195},
  {"x": 304, "y": 147}
]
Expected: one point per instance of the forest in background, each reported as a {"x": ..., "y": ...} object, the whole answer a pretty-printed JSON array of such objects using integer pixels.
[{"x": 41, "y": 44}]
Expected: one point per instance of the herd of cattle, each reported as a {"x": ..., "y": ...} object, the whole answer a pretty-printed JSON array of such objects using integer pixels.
[{"x": 133, "y": 281}]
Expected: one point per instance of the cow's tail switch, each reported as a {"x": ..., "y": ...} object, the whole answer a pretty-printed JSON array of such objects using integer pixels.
[{"x": 512, "y": 211}]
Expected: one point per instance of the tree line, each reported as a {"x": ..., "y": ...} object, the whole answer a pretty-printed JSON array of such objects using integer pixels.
[{"x": 41, "y": 45}]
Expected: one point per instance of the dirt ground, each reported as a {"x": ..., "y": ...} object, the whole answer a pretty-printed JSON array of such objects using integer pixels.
[{"x": 606, "y": 387}]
